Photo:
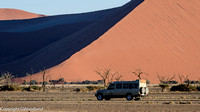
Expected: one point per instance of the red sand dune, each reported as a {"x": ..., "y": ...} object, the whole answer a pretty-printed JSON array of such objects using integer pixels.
[
  {"x": 13, "y": 14},
  {"x": 63, "y": 49},
  {"x": 159, "y": 36}
]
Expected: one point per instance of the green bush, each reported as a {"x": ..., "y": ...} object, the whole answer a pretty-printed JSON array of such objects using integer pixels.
[
  {"x": 10, "y": 87},
  {"x": 183, "y": 87},
  {"x": 36, "y": 88}
]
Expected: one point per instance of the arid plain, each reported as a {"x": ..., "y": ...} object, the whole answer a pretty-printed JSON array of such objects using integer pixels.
[{"x": 73, "y": 101}]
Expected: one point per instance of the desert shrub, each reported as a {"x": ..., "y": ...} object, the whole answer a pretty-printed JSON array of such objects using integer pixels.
[
  {"x": 198, "y": 88},
  {"x": 33, "y": 88},
  {"x": 88, "y": 88},
  {"x": 183, "y": 87},
  {"x": 89, "y": 82},
  {"x": 94, "y": 88},
  {"x": 148, "y": 82},
  {"x": 184, "y": 102},
  {"x": 149, "y": 102},
  {"x": 192, "y": 82},
  {"x": 36, "y": 88},
  {"x": 10, "y": 87},
  {"x": 77, "y": 89},
  {"x": 164, "y": 86},
  {"x": 171, "y": 102},
  {"x": 172, "y": 82}
]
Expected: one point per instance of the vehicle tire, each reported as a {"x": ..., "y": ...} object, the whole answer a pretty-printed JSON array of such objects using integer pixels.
[
  {"x": 137, "y": 98},
  {"x": 147, "y": 90},
  {"x": 142, "y": 90},
  {"x": 107, "y": 98},
  {"x": 129, "y": 97},
  {"x": 99, "y": 97}
]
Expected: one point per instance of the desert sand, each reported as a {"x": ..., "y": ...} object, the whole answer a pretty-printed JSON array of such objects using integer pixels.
[
  {"x": 15, "y": 14},
  {"x": 157, "y": 36},
  {"x": 59, "y": 50}
]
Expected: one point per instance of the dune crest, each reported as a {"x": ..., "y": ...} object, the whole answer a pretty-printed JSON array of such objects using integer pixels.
[{"x": 15, "y": 14}]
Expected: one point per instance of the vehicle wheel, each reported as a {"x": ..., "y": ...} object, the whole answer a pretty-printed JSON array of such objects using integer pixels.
[
  {"x": 147, "y": 90},
  {"x": 107, "y": 98},
  {"x": 137, "y": 98},
  {"x": 129, "y": 97},
  {"x": 99, "y": 97},
  {"x": 142, "y": 90}
]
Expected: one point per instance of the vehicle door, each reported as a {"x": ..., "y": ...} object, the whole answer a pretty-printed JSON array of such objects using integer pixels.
[
  {"x": 134, "y": 87},
  {"x": 119, "y": 90},
  {"x": 125, "y": 89},
  {"x": 110, "y": 90}
]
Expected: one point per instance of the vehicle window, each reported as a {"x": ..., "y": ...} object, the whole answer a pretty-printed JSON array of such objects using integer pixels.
[
  {"x": 118, "y": 86},
  {"x": 111, "y": 86},
  {"x": 125, "y": 86},
  {"x": 132, "y": 86},
  {"x": 135, "y": 85}
]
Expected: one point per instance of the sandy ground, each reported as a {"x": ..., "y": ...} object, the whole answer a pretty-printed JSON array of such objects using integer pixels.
[
  {"x": 92, "y": 106},
  {"x": 72, "y": 101}
]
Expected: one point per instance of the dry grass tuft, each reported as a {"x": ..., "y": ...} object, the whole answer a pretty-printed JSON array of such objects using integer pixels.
[
  {"x": 184, "y": 102},
  {"x": 171, "y": 102}
]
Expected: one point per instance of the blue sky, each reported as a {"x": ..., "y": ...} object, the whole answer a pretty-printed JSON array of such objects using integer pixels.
[{"x": 56, "y": 7}]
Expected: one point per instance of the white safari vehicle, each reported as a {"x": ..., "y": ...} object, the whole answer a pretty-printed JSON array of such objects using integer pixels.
[{"x": 124, "y": 89}]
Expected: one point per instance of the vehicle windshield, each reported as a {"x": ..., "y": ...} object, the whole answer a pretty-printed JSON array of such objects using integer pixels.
[{"x": 111, "y": 86}]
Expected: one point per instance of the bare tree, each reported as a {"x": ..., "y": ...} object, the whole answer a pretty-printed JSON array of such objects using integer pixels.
[
  {"x": 6, "y": 78},
  {"x": 104, "y": 75},
  {"x": 164, "y": 81},
  {"x": 62, "y": 82},
  {"x": 182, "y": 78},
  {"x": 111, "y": 77},
  {"x": 51, "y": 82},
  {"x": 1, "y": 79},
  {"x": 139, "y": 72},
  {"x": 118, "y": 77},
  {"x": 30, "y": 77},
  {"x": 45, "y": 76}
]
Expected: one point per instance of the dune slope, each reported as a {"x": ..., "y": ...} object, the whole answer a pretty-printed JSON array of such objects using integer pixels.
[
  {"x": 14, "y": 14},
  {"x": 61, "y": 50},
  {"x": 26, "y": 43},
  {"x": 21, "y": 38},
  {"x": 160, "y": 37}
]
